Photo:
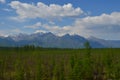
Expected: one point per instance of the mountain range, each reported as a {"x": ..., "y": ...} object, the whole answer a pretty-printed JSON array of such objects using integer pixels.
[{"x": 49, "y": 40}]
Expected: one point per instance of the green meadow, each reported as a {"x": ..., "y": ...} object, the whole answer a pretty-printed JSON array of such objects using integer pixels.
[{"x": 30, "y": 63}]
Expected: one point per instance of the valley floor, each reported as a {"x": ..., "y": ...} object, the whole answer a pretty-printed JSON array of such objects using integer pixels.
[{"x": 29, "y": 63}]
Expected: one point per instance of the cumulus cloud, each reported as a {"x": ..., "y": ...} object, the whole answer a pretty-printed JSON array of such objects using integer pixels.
[
  {"x": 41, "y": 10},
  {"x": 35, "y": 26},
  {"x": 105, "y": 25},
  {"x": 40, "y": 31},
  {"x": 8, "y": 10},
  {"x": 16, "y": 31},
  {"x": 9, "y": 32},
  {"x": 98, "y": 25},
  {"x": 57, "y": 29},
  {"x": 2, "y": 1},
  {"x": 39, "y": 27}
]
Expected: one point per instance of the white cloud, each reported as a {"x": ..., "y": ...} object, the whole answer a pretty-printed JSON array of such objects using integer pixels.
[
  {"x": 98, "y": 25},
  {"x": 103, "y": 26},
  {"x": 54, "y": 29},
  {"x": 2, "y": 1},
  {"x": 35, "y": 26},
  {"x": 41, "y": 10},
  {"x": 51, "y": 22},
  {"x": 17, "y": 19},
  {"x": 57, "y": 29},
  {"x": 8, "y": 10},
  {"x": 9, "y": 32},
  {"x": 16, "y": 31},
  {"x": 2, "y": 33},
  {"x": 39, "y": 31}
]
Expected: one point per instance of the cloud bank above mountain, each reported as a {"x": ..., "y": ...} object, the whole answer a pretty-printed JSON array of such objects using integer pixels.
[
  {"x": 103, "y": 25},
  {"x": 33, "y": 17}
]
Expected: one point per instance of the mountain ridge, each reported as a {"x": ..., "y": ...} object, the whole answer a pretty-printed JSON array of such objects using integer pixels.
[{"x": 49, "y": 40}]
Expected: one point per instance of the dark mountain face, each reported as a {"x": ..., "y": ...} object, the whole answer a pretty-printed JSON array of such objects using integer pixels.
[
  {"x": 114, "y": 43},
  {"x": 7, "y": 41},
  {"x": 53, "y": 41}
]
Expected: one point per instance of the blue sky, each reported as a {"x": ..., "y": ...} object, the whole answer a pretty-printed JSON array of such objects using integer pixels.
[{"x": 98, "y": 18}]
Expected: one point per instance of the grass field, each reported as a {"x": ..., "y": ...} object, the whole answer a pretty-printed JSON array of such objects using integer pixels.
[{"x": 59, "y": 64}]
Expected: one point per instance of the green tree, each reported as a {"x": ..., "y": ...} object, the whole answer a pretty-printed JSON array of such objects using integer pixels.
[{"x": 88, "y": 48}]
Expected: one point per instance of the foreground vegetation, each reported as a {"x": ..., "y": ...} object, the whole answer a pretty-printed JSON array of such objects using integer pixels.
[{"x": 29, "y": 63}]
